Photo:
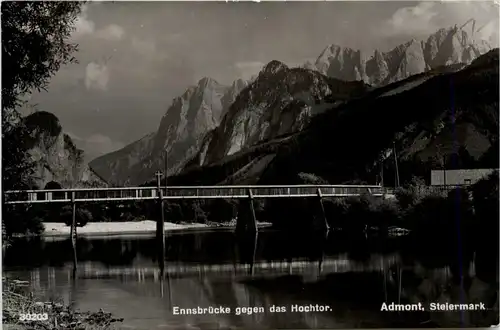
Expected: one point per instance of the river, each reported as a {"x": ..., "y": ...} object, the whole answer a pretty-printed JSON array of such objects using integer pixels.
[{"x": 352, "y": 276}]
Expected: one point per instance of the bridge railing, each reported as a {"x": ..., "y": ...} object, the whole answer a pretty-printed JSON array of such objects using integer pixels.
[{"x": 186, "y": 192}]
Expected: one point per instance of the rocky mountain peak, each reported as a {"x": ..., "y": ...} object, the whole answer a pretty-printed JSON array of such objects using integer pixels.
[
  {"x": 447, "y": 46},
  {"x": 207, "y": 82},
  {"x": 239, "y": 84},
  {"x": 330, "y": 50},
  {"x": 273, "y": 67}
]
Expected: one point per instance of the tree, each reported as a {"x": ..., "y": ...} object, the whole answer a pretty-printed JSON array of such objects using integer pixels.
[{"x": 34, "y": 46}]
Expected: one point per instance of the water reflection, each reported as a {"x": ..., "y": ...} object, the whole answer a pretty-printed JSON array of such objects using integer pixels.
[{"x": 353, "y": 276}]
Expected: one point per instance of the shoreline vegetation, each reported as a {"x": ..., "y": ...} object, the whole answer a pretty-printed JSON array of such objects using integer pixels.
[
  {"x": 19, "y": 303},
  {"x": 415, "y": 209}
]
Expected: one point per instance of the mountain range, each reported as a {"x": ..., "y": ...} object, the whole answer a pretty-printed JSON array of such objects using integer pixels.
[
  {"x": 212, "y": 124},
  {"x": 443, "y": 118}
]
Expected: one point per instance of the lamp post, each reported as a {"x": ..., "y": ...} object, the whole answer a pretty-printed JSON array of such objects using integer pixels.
[
  {"x": 165, "y": 165},
  {"x": 444, "y": 170},
  {"x": 381, "y": 164}
]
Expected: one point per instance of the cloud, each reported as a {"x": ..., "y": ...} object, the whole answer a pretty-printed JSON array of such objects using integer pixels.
[
  {"x": 410, "y": 20},
  {"x": 428, "y": 16},
  {"x": 148, "y": 50},
  {"x": 143, "y": 46},
  {"x": 96, "y": 76},
  {"x": 111, "y": 32},
  {"x": 489, "y": 32},
  {"x": 83, "y": 25},
  {"x": 248, "y": 69}
]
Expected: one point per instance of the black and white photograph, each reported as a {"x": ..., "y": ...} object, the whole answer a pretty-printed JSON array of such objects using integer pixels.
[{"x": 255, "y": 165}]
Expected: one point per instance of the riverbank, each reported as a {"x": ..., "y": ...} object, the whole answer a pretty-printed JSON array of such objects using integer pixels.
[
  {"x": 136, "y": 228},
  {"x": 21, "y": 310}
]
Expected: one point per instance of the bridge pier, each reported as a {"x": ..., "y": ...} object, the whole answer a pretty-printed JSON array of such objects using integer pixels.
[
  {"x": 247, "y": 222},
  {"x": 160, "y": 223},
  {"x": 323, "y": 219},
  {"x": 72, "y": 233}
]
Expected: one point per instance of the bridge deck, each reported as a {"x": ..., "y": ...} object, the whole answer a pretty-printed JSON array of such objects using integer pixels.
[{"x": 187, "y": 192}]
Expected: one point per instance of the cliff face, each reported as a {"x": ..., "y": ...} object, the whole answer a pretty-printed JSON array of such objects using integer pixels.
[
  {"x": 179, "y": 136},
  {"x": 279, "y": 102},
  {"x": 54, "y": 154},
  {"x": 445, "y": 47}
]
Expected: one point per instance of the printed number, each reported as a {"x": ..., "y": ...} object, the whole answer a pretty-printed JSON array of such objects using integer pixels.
[{"x": 33, "y": 317}]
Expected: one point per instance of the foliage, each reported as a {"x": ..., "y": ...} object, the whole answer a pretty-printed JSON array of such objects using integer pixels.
[
  {"x": 221, "y": 210},
  {"x": 442, "y": 216},
  {"x": 41, "y": 123},
  {"x": 486, "y": 203},
  {"x": 83, "y": 216},
  {"x": 385, "y": 213},
  {"x": 34, "y": 47},
  {"x": 173, "y": 212},
  {"x": 289, "y": 213},
  {"x": 16, "y": 300},
  {"x": 336, "y": 211},
  {"x": 22, "y": 220},
  {"x": 410, "y": 194},
  {"x": 308, "y": 178}
]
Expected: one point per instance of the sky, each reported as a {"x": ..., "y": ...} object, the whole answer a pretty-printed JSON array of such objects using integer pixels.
[{"x": 135, "y": 57}]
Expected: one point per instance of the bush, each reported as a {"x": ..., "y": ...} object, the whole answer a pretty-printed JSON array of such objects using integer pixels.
[
  {"x": 410, "y": 194},
  {"x": 22, "y": 220},
  {"x": 358, "y": 213},
  {"x": 336, "y": 210},
  {"x": 486, "y": 207},
  {"x": 222, "y": 210},
  {"x": 83, "y": 216},
  {"x": 173, "y": 212},
  {"x": 288, "y": 213},
  {"x": 384, "y": 213}
]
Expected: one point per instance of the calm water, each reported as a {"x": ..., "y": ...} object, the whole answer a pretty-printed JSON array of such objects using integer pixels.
[{"x": 353, "y": 276}]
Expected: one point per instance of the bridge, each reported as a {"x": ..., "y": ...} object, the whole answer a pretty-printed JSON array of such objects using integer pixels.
[
  {"x": 187, "y": 192},
  {"x": 164, "y": 193}
]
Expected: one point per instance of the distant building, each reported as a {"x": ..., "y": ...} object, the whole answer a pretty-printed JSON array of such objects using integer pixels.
[{"x": 458, "y": 177}]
